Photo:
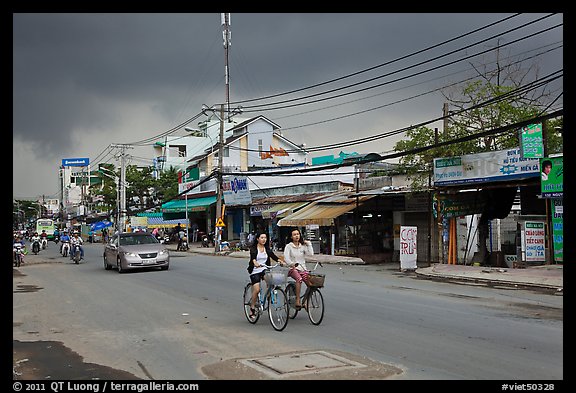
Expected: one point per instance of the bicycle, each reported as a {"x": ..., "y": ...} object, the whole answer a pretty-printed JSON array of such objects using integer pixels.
[
  {"x": 312, "y": 299},
  {"x": 272, "y": 300}
]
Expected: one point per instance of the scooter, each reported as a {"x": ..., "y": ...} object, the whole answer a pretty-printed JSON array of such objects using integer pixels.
[
  {"x": 56, "y": 239},
  {"x": 76, "y": 254},
  {"x": 65, "y": 248},
  {"x": 35, "y": 247},
  {"x": 18, "y": 254},
  {"x": 205, "y": 241},
  {"x": 183, "y": 246},
  {"x": 44, "y": 243}
]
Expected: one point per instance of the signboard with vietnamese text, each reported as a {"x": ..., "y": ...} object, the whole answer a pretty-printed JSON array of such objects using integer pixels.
[
  {"x": 531, "y": 141},
  {"x": 534, "y": 238},
  {"x": 552, "y": 177},
  {"x": 558, "y": 229},
  {"x": 408, "y": 247},
  {"x": 236, "y": 190},
  {"x": 500, "y": 165}
]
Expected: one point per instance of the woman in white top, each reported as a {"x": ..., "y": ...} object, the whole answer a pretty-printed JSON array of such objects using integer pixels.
[
  {"x": 260, "y": 255},
  {"x": 294, "y": 253}
]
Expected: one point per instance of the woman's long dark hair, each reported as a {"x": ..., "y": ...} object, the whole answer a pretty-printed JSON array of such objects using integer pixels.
[
  {"x": 254, "y": 245},
  {"x": 301, "y": 241}
]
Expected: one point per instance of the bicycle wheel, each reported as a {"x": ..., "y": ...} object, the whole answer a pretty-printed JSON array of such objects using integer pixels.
[
  {"x": 247, "y": 298},
  {"x": 278, "y": 308},
  {"x": 291, "y": 295},
  {"x": 315, "y": 306}
]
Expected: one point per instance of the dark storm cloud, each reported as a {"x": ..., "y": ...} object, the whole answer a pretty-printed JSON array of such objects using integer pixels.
[{"x": 76, "y": 74}]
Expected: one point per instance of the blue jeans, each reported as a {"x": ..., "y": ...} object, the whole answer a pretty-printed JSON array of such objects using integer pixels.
[{"x": 72, "y": 252}]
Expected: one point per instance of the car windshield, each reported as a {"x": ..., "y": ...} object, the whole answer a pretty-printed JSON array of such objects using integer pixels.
[{"x": 135, "y": 240}]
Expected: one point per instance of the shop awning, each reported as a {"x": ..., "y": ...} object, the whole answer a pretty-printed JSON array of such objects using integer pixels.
[
  {"x": 282, "y": 209},
  {"x": 318, "y": 214},
  {"x": 194, "y": 205}
]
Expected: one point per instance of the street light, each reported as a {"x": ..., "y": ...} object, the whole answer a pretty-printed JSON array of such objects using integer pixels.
[
  {"x": 116, "y": 179},
  {"x": 201, "y": 134}
]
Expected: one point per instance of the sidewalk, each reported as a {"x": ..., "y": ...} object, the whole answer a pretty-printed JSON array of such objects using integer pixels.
[{"x": 546, "y": 277}]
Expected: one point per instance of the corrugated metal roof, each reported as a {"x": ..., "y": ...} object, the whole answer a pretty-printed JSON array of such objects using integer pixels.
[
  {"x": 282, "y": 209},
  {"x": 318, "y": 214}
]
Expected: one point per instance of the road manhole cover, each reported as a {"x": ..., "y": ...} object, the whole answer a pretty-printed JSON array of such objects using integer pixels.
[{"x": 280, "y": 366}]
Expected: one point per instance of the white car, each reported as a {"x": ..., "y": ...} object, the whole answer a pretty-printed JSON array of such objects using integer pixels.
[{"x": 135, "y": 250}]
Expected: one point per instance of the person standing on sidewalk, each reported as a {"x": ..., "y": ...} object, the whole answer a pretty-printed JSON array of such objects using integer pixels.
[{"x": 294, "y": 256}]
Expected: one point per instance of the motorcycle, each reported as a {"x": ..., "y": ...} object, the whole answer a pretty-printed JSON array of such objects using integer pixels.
[
  {"x": 76, "y": 255},
  {"x": 44, "y": 243},
  {"x": 205, "y": 241},
  {"x": 35, "y": 247},
  {"x": 183, "y": 246},
  {"x": 166, "y": 239},
  {"x": 18, "y": 254},
  {"x": 65, "y": 248},
  {"x": 56, "y": 239}
]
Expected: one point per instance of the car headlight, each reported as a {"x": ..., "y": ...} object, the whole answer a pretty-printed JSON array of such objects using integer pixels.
[
  {"x": 162, "y": 252},
  {"x": 130, "y": 254}
]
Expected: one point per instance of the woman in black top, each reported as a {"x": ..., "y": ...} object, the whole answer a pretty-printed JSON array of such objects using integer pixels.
[{"x": 260, "y": 255}]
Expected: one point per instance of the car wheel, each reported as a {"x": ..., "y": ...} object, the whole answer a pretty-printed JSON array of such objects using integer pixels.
[
  {"x": 119, "y": 266},
  {"x": 106, "y": 265}
]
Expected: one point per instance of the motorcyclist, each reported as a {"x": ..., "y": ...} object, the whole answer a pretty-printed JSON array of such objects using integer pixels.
[
  {"x": 35, "y": 238},
  {"x": 64, "y": 239},
  {"x": 44, "y": 238},
  {"x": 76, "y": 240},
  {"x": 18, "y": 242}
]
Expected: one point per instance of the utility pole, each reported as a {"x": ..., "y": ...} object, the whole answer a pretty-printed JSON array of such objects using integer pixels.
[
  {"x": 227, "y": 36},
  {"x": 217, "y": 232},
  {"x": 122, "y": 184}
]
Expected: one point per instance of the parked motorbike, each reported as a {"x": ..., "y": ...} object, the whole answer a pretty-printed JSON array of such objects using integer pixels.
[
  {"x": 76, "y": 254},
  {"x": 18, "y": 254},
  {"x": 36, "y": 247},
  {"x": 183, "y": 246},
  {"x": 205, "y": 241},
  {"x": 166, "y": 239},
  {"x": 65, "y": 248}
]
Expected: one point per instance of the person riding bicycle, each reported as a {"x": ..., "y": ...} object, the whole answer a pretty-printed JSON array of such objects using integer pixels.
[
  {"x": 294, "y": 253},
  {"x": 260, "y": 255},
  {"x": 76, "y": 240}
]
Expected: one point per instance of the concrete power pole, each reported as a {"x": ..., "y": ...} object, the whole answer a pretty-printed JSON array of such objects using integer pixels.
[{"x": 122, "y": 185}]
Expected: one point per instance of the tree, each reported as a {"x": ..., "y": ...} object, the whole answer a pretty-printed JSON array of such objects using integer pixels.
[
  {"x": 107, "y": 187},
  {"x": 489, "y": 83},
  {"x": 167, "y": 185},
  {"x": 140, "y": 187}
]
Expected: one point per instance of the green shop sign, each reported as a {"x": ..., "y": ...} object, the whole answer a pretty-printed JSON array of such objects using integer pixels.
[
  {"x": 531, "y": 142},
  {"x": 552, "y": 175}
]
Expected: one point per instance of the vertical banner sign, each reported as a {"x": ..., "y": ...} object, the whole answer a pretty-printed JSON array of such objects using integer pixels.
[
  {"x": 408, "y": 253},
  {"x": 534, "y": 241},
  {"x": 531, "y": 142},
  {"x": 557, "y": 229},
  {"x": 552, "y": 174}
]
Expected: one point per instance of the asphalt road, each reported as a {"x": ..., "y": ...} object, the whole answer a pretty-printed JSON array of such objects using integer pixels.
[{"x": 187, "y": 324}]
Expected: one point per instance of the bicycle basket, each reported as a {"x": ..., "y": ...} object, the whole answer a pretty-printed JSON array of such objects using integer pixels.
[
  {"x": 276, "y": 276},
  {"x": 317, "y": 280}
]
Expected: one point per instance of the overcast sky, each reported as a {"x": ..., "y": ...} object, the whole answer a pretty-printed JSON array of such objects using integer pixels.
[{"x": 84, "y": 81}]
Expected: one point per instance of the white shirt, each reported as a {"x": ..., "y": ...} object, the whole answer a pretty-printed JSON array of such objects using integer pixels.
[
  {"x": 295, "y": 254},
  {"x": 261, "y": 260}
]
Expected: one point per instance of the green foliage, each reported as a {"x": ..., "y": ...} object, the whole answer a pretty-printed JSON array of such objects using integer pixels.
[{"x": 418, "y": 166}]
